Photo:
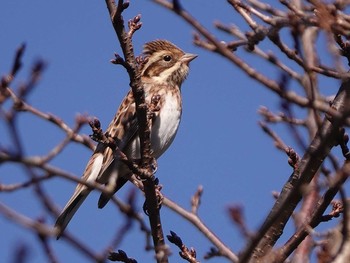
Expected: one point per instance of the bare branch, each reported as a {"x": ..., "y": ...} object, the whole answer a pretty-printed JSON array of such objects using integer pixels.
[
  {"x": 196, "y": 199},
  {"x": 125, "y": 40},
  {"x": 223, "y": 249},
  {"x": 319, "y": 148},
  {"x": 188, "y": 254}
]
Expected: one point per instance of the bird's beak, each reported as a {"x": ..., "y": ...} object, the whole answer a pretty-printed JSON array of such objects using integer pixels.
[{"x": 187, "y": 58}]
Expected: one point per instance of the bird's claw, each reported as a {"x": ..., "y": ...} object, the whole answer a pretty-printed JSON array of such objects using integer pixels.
[{"x": 159, "y": 197}]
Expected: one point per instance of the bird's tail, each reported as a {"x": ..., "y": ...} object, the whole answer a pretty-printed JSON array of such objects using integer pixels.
[
  {"x": 104, "y": 198},
  {"x": 91, "y": 173},
  {"x": 71, "y": 207}
]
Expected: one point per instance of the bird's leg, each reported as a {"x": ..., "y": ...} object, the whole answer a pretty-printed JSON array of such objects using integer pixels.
[{"x": 159, "y": 195}]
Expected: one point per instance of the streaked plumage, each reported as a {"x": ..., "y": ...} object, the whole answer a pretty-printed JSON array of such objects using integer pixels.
[{"x": 165, "y": 69}]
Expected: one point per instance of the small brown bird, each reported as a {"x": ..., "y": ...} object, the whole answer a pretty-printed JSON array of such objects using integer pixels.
[{"x": 165, "y": 68}]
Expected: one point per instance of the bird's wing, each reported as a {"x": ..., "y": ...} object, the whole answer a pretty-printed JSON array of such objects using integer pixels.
[
  {"x": 114, "y": 174},
  {"x": 123, "y": 128}
]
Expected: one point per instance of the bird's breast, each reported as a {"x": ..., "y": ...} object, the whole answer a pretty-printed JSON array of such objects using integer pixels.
[{"x": 165, "y": 123}]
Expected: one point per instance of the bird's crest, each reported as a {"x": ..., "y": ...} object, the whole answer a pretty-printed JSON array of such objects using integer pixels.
[{"x": 157, "y": 45}]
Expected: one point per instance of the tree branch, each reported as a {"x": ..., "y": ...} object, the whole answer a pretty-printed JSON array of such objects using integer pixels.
[
  {"x": 325, "y": 139},
  {"x": 131, "y": 65}
]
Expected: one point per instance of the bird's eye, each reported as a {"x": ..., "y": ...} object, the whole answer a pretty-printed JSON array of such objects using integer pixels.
[{"x": 167, "y": 58}]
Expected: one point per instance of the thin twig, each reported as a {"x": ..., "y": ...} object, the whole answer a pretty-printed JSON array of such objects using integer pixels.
[{"x": 224, "y": 250}]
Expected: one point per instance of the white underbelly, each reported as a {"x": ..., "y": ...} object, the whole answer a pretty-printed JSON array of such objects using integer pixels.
[
  {"x": 165, "y": 127},
  {"x": 163, "y": 130}
]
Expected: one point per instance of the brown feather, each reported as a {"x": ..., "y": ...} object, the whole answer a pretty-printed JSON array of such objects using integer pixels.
[{"x": 165, "y": 68}]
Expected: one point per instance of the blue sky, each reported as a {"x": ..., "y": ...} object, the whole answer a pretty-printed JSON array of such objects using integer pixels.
[{"x": 219, "y": 144}]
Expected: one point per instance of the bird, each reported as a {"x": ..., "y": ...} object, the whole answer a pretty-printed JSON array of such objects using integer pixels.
[{"x": 164, "y": 70}]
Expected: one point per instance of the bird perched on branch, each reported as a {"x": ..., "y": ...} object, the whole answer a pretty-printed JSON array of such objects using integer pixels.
[{"x": 165, "y": 68}]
